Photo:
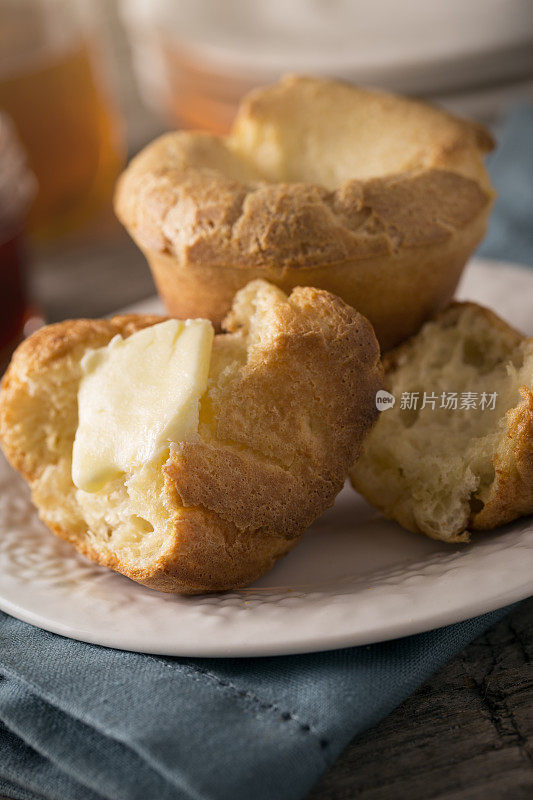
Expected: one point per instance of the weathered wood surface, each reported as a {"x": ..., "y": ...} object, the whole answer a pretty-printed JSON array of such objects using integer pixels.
[{"x": 467, "y": 734}]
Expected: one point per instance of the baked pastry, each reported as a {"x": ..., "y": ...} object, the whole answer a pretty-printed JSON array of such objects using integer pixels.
[
  {"x": 289, "y": 396},
  {"x": 376, "y": 198},
  {"x": 461, "y": 457}
]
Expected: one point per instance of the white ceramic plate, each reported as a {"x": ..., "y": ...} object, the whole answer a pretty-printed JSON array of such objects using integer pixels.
[{"x": 354, "y": 579}]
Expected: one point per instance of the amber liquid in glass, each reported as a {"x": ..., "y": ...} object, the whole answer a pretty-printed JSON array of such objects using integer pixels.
[
  {"x": 71, "y": 133},
  {"x": 12, "y": 290},
  {"x": 199, "y": 97}
]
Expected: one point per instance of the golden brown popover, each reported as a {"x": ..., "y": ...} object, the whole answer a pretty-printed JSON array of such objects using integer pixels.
[
  {"x": 377, "y": 198},
  {"x": 290, "y": 396}
]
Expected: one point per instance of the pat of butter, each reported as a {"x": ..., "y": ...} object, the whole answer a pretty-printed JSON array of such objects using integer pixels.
[{"x": 136, "y": 396}]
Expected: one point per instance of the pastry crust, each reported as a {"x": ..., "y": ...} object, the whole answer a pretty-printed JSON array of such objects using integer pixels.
[
  {"x": 500, "y": 452},
  {"x": 290, "y": 397},
  {"x": 377, "y": 198}
]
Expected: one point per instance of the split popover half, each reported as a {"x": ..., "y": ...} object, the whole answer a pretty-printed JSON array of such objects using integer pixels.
[
  {"x": 377, "y": 198},
  {"x": 275, "y": 410},
  {"x": 455, "y": 452}
]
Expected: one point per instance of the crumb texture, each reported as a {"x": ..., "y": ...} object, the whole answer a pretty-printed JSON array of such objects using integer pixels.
[{"x": 449, "y": 466}]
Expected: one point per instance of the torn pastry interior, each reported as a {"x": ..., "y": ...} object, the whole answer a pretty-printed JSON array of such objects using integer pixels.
[{"x": 456, "y": 450}]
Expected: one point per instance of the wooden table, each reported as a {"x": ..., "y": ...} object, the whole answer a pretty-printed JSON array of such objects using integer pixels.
[{"x": 467, "y": 734}]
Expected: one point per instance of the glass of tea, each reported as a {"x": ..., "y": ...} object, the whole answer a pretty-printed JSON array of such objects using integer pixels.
[
  {"x": 17, "y": 189},
  {"x": 54, "y": 86}
]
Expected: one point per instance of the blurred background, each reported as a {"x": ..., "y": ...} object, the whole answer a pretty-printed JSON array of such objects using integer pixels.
[{"x": 84, "y": 84}]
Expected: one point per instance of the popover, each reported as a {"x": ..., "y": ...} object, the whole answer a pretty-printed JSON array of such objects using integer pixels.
[
  {"x": 289, "y": 396},
  {"x": 377, "y": 198},
  {"x": 455, "y": 453}
]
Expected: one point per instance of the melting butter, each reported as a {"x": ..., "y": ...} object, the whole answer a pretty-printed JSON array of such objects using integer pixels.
[{"x": 136, "y": 396}]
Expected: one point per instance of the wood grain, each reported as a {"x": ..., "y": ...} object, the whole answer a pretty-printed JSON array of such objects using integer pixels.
[{"x": 466, "y": 734}]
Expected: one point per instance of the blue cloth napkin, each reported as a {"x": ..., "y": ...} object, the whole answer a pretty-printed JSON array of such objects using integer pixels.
[
  {"x": 510, "y": 234},
  {"x": 81, "y": 722}
]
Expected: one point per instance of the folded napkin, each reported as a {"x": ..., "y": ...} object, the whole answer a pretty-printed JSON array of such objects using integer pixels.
[{"x": 81, "y": 722}]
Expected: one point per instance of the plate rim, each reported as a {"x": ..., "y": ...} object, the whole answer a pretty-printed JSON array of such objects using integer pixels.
[{"x": 300, "y": 647}]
